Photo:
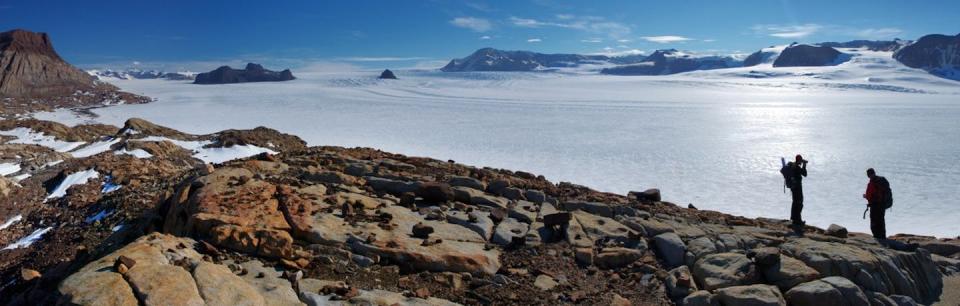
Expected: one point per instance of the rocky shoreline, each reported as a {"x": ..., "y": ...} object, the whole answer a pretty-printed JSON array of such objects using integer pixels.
[{"x": 147, "y": 215}]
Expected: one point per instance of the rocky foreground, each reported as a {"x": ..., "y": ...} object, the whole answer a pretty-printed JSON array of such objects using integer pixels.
[{"x": 146, "y": 215}]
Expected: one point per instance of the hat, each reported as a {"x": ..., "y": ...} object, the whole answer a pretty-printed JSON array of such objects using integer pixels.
[{"x": 799, "y": 158}]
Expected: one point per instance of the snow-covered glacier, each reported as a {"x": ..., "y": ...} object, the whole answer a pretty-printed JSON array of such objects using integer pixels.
[{"x": 712, "y": 138}]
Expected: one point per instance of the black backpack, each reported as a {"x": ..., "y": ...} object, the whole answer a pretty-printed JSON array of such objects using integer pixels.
[
  {"x": 787, "y": 171},
  {"x": 884, "y": 187}
]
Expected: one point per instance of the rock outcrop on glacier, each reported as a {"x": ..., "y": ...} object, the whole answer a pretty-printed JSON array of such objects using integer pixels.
[{"x": 251, "y": 73}]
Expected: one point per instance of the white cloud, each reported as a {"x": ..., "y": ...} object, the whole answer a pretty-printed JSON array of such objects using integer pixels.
[
  {"x": 709, "y": 40},
  {"x": 623, "y": 40},
  {"x": 592, "y": 40},
  {"x": 534, "y": 40},
  {"x": 665, "y": 39},
  {"x": 380, "y": 59},
  {"x": 788, "y": 31},
  {"x": 590, "y": 24},
  {"x": 610, "y": 52},
  {"x": 485, "y": 37},
  {"x": 136, "y": 63},
  {"x": 476, "y": 24},
  {"x": 878, "y": 33}
]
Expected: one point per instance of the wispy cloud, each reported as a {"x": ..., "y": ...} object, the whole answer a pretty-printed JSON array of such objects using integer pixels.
[
  {"x": 485, "y": 37},
  {"x": 534, "y": 40},
  {"x": 787, "y": 31},
  {"x": 608, "y": 51},
  {"x": 878, "y": 33},
  {"x": 592, "y": 40},
  {"x": 589, "y": 24},
  {"x": 666, "y": 39},
  {"x": 709, "y": 40},
  {"x": 381, "y": 59},
  {"x": 473, "y": 23}
]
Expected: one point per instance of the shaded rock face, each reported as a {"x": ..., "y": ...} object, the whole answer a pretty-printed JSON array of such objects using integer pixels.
[
  {"x": 672, "y": 61},
  {"x": 387, "y": 74},
  {"x": 29, "y": 67},
  {"x": 807, "y": 55},
  {"x": 938, "y": 54},
  {"x": 872, "y": 45},
  {"x": 490, "y": 59},
  {"x": 251, "y": 73},
  {"x": 757, "y": 58}
]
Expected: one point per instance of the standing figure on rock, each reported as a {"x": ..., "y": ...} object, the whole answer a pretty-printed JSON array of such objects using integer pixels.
[
  {"x": 793, "y": 173},
  {"x": 879, "y": 198}
]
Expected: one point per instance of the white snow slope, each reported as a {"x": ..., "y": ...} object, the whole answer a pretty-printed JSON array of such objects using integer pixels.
[{"x": 711, "y": 138}]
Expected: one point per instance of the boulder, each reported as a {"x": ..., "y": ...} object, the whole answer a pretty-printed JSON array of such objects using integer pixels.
[
  {"x": 837, "y": 231},
  {"x": 832, "y": 290},
  {"x": 545, "y": 282},
  {"x": 646, "y": 196},
  {"x": 476, "y": 221},
  {"x": 612, "y": 258},
  {"x": 390, "y": 186},
  {"x": 701, "y": 298},
  {"x": 752, "y": 295},
  {"x": 535, "y": 196},
  {"x": 600, "y": 228},
  {"x": 433, "y": 192},
  {"x": 723, "y": 270},
  {"x": 788, "y": 272},
  {"x": 680, "y": 282},
  {"x": 671, "y": 248},
  {"x": 466, "y": 181},
  {"x": 508, "y": 230}
]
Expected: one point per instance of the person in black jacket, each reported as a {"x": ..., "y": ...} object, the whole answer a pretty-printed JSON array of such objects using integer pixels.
[{"x": 798, "y": 172}]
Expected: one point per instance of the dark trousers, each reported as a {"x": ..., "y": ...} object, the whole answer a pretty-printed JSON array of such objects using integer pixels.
[
  {"x": 797, "y": 205},
  {"x": 877, "y": 223}
]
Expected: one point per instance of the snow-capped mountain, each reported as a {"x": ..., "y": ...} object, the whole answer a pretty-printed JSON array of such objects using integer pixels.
[
  {"x": 141, "y": 74},
  {"x": 672, "y": 61},
  {"x": 490, "y": 59},
  {"x": 937, "y": 54}
]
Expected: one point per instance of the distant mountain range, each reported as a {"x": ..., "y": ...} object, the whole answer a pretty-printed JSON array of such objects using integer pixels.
[
  {"x": 142, "y": 74},
  {"x": 937, "y": 54}
]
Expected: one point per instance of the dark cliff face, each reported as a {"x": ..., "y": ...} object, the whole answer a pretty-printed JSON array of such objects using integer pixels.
[
  {"x": 251, "y": 73},
  {"x": 671, "y": 61},
  {"x": 807, "y": 55},
  {"x": 29, "y": 67},
  {"x": 489, "y": 59},
  {"x": 939, "y": 54}
]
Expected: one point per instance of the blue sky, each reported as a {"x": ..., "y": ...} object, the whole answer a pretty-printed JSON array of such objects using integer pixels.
[{"x": 203, "y": 34}]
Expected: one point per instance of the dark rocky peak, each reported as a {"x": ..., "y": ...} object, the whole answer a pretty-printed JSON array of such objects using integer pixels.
[
  {"x": 936, "y": 53},
  {"x": 387, "y": 74},
  {"x": 800, "y": 55},
  {"x": 251, "y": 73},
  {"x": 254, "y": 67}
]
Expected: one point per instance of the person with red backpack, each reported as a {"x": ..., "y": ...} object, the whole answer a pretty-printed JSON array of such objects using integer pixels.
[{"x": 879, "y": 199}]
